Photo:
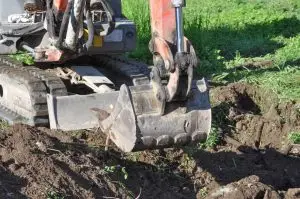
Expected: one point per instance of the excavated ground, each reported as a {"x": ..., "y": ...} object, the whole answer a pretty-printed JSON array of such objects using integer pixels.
[{"x": 254, "y": 159}]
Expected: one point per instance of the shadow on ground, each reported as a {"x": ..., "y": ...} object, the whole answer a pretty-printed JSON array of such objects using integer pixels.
[
  {"x": 10, "y": 185},
  {"x": 272, "y": 167}
]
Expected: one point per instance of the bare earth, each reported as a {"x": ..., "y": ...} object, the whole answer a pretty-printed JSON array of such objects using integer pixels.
[{"x": 254, "y": 160}]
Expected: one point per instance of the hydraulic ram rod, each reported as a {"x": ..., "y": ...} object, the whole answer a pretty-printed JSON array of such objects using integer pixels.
[{"x": 178, "y": 4}]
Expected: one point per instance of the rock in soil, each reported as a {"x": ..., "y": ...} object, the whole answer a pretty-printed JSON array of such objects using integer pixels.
[{"x": 247, "y": 188}]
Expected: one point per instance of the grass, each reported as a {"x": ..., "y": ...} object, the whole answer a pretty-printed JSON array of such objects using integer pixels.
[
  {"x": 294, "y": 137},
  {"x": 238, "y": 40},
  {"x": 117, "y": 170},
  {"x": 212, "y": 140},
  {"x": 54, "y": 195},
  {"x": 203, "y": 192},
  {"x": 4, "y": 125},
  {"x": 23, "y": 57}
]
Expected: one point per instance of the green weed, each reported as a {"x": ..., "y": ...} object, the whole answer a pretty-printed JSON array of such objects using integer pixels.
[
  {"x": 4, "y": 125},
  {"x": 118, "y": 170},
  {"x": 54, "y": 195},
  {"x": 212, "y": 140},
  {"x": 295, "y": 137},
  {"x": 23, "y": 57},
  {"x": 203, "y": 192}
]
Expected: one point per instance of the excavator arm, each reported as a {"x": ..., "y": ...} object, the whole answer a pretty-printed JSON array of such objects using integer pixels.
[
  {"x": 175, "y": 109},
  {"x": 172, "y": 109}
]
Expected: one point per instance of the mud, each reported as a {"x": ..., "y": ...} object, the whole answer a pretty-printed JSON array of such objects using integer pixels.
[{"x": 250, "y": 161}]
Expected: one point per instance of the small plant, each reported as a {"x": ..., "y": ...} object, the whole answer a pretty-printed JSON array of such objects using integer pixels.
[
  {"x": 203, "y": 192},
  {"x": 117, "y": 168},
  {"x": 187, "y": 163},
  {"x": 295, "y": 137},
  {"x": 134, "y": 156},
  {"x": 23, "y": 57},
  {"x": 54, "y": 195},
  {"x": 212, "y": 140},
  {"x": 3, "y": 125}
]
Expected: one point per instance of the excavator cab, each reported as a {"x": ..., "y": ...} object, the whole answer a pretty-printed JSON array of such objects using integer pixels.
[{"x": 160, "y": 106}]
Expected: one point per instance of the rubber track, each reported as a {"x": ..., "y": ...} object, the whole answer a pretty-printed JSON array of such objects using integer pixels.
[
  {"x": 38, "y": 95},
  {"x": 132, "y": 69},
  {"x": 54, "y": 84},
  {"x": 35, "y": 79}
]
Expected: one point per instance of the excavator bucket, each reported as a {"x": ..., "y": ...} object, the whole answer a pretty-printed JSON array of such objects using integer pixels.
[
  {"x": 133, "y": 119},
  {"x": 136, "y": 123}
]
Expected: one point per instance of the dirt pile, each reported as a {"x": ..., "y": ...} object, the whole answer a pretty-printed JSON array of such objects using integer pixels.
[
  {"x": 249, "y": 188},
  {"x": 38, "y": 163},
  {"x": 255, "y": 113},
  {"x": 35, "y": 164}
]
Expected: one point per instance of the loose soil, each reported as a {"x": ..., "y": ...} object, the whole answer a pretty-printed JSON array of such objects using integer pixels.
[{"x": 253, "y": 160}]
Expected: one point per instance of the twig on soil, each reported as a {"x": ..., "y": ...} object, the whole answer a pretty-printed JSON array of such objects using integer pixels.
[
  {"x": 138, "y": 197},
  {"x": 107, "y": 142},
  {"x": 44, "y": 148},
  {"x": 234, "y": 162}
]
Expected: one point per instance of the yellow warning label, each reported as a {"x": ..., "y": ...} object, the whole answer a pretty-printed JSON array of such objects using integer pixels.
[{"x": 98, "y": 40}]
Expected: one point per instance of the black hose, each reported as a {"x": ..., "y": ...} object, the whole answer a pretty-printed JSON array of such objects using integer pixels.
[
  {"x": 50, "y": 20},
  {"x": 64, "y": 24}
]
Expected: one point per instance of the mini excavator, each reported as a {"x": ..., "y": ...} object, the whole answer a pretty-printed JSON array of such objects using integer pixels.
[{"x": 81, "y": 79}]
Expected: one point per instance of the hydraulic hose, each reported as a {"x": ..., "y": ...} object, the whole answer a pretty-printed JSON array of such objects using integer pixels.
[
  {"x": 50, "y": 20},
  {"x": 64, "y": 24}
]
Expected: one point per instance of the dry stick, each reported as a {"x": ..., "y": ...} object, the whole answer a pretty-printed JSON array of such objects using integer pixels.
[
  {"x": 138, "y": 197},
  {"x": 86, "y": 145},
  {"x": 107, "y": 142},
  {"x": 234, "y": 163}
]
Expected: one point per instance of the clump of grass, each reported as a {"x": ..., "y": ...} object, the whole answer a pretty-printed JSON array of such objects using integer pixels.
[
  {"x": 212, "y": 140},
  {"x": 54, "y": 195},
  {"x": 117, "y": 169},
  {"x": 203, "y": 192},
  {"x": 23, "y": 57},
  {"x": 3, "y": 125},
  {"x": 294, "y": 137}
]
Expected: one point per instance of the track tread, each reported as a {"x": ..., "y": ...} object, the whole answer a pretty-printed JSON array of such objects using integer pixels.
[
  {"x": 132, "y": 69},
  {"x": 34, "y": 85},
  {"x": 39, "y": 83}
]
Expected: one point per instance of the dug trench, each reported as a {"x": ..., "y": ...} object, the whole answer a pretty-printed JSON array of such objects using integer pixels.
[{"x": 253, "y": 160}]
